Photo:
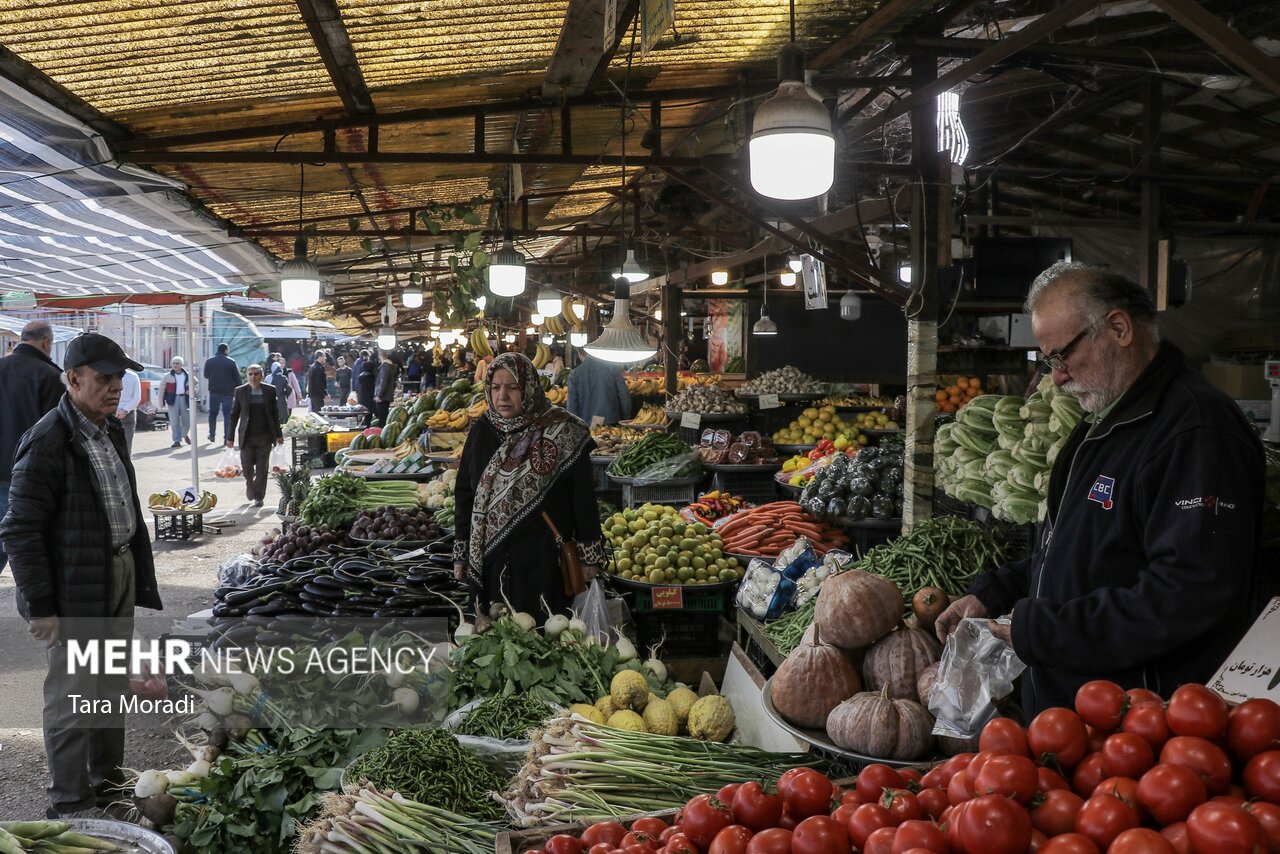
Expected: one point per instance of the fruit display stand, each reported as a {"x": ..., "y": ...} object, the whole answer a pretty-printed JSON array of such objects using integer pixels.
[
  {"x": 866, "y": 534},
  {"x": 309, "y": 449},
  {"x": 600, "y": 473},
  {"x": 177, "y": 524},
  {"x": 764, "y": 654},
  {"x": 679, "y": 491},
  {"x": 686, "y": 619}
]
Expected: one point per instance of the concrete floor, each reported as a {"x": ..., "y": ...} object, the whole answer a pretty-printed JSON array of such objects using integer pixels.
[{"x": 187, "y": 572}]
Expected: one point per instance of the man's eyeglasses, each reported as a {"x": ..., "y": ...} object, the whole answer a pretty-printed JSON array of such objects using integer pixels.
[{"x": 1057, "y": 360}]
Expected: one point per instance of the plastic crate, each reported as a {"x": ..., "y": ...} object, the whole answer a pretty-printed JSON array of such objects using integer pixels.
[
  {"x": 690, "y": 597},
  {"x": 675, "y": 492},
  {"x": 681, "y": 633},
  {"x": 600, "y": 476},
  {"x": 758, "y": 487},
  {"x": 307, "y": 450},
  {"x": 178, "y": 526},
  {"x": 863, "y": 538}
]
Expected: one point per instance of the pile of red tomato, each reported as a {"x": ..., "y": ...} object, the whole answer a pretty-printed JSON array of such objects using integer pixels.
[{"x": 1122, "y": 773}]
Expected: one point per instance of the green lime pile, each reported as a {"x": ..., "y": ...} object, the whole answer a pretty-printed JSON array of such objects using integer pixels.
[{"x": 652, "y": 543}]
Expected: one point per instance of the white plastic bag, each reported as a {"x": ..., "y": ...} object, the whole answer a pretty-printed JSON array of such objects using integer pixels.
[
  {"x": 977, "y": 669},
  {"x": 679, "y": 467},
  {"x": 592, "y": 609},
  {"x": 279, "y": 460},
  {"x": 228, "y": 464}
]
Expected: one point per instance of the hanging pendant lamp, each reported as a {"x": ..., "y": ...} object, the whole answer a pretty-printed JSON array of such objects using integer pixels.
[
  {"x": 620, "y": 341},
  {"x": 299, "y": 277}
]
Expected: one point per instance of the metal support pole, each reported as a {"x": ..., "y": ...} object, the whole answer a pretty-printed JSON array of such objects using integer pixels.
[{"x": 192, "y": 399}]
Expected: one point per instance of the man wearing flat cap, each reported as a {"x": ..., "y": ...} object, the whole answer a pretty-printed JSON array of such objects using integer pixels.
[{"x": 81, "y": 558}]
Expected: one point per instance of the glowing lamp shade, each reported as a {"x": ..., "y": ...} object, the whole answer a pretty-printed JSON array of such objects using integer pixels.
[
  {"x": 904, "y": 274},
  {"x": 433, "y": 318},
  {"x": 850, "y": 306},
  {"x": 580, "y": 310},
  {"x": 657, "y": 314},
  {"x": 787, "y": 279},
  {"x": 549, "y": 304},
  {"x": 719, "y": 277},
  {"x": 631, "y": 269},
  {"x": 386, "y": 338},
  {"x": 411, "y": 297},
  {"x": 795, "y": 263},
  {"x": 299, "y": 279},
  {"x": 792, "y": 149},
  {"x": 536, "y": 318},
  {"x": 578, "y": 339},
  {"x": 765, "y": 325},
  {"x": 510, "y": 338},
  {"x": 530, "y": 330},
  {"x": 506, "y": 272},
  {"x": 547, "y": 339},
  {"x": 481, "y": 302},
  {"x": 447, "y": 337},
  {"x": 620, "y": 342}
]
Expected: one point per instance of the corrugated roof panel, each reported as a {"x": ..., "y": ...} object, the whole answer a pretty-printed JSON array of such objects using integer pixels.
[{"x": 123, "y": 54}]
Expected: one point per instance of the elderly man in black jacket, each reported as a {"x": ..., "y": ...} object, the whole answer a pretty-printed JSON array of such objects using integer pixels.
[
  {"x": 81, "y": 560},
  {"x": 32, "y": 386},
  {"x": 1147, "y": 568}
]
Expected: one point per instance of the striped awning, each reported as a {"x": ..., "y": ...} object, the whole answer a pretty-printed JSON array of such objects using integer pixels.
[
  {"x": 75, "y": 223},
  {"x": 13, "y": 325}
]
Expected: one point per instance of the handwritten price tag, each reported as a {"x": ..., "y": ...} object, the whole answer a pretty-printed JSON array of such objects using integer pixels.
[
  {"x": 769, "y": 401},
  {"x": 691, "y": 420},
  {"x": 667, "y": 598},
  {"x": 596, "y": 421}
]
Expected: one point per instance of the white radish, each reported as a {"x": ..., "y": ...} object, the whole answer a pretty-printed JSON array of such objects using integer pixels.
[
  {"x": 405, "y": 700},
  {"x": 577, "y": 625},
  {"x": 555, "y": 626},
  {"x": 525, "y": 621},
  {"x": 180, "y": 777},
  {"x": 208, "y": 721},
  {"x": 198, "y": 768},
  {"x": 393, "y": 677},
  {"x": 221, "y": 701},
  {"x": 151, "y": 783},
  {"x": 243, "y": 683},
  {"x": 626, "y": 649},
  {"x": 657, "y": 668},
  {"x": 463, "y": 632}
]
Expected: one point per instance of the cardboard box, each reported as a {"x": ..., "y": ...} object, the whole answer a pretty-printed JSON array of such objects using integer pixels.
[{"x": 1241, "y": 382}]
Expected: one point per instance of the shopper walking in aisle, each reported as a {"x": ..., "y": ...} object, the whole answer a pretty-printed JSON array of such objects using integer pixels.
[
  {"x": 280, "y": 382},
  {"x": 342, "y": 378},
  {"x": 413, "y": 375},
  {"x": 317, "y": 382},
  {"x": 1155, "y": 509},
  {"x": 177, "y": 397},
  {"x": 222, "y": 375},
  {"x": 524, "y": 458},
  {"x": 127, "y": 410},
  {"x": 366, "y": 380},
  {"x": 256, "y": 428},
  {"x": 32, "y": 385},
  {"x": 598, "y": 388},
  {"x": 384, "y": 388},
  {"x": 82, "y": 561}
]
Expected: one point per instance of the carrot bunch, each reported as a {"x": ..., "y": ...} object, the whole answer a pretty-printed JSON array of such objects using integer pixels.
[{"x": 766, "y": 530}]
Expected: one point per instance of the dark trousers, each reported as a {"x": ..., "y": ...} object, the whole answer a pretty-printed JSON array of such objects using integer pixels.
[
  {"x": 380, "y": 411},
  {"x": 344, "y": 394},
  {"x": 4, "y": 508},
  {"x": 216, "y": 402},
  {"x": 84, "y": 750},
  {"x": 317, "y": 402},
  {"x": 255, "y": 461},
  {"x": 130, "y": 423}
]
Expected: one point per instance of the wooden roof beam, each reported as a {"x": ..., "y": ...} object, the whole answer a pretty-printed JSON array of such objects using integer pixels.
[
  {"x": 1223, "y": 38},
  {"x": 329, "y": 33},
  {"x": 870, "y": 30},
  {"x": 581, "y": 56},
  {"x": 1188, "y": 63},
  {"x": 35, "y": 81}
]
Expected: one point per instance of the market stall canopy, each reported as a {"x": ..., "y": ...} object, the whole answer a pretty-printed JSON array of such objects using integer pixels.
[
  {"x": 74, "y": 222},
  {"x": 14, "y": 326},
  {"x": 243, "y": 339}
]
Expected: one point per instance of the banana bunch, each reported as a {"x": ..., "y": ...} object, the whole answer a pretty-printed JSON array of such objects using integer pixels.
[
  {"x": 566, "y": 311},
  {"x": 458, "y": 419},
  {"x": 708, "y": 380},
  {"x": 650, "y": 414},
  {"x": 480, "y": 342},
  {"x": 646, "y": 387},
  {"x": 556, "y": 325},
  {"x": 170, "y": 500},
  {"x": 558, "y": 395},
  {"x": 477, "y": 409},
  {"x": 542, "y": 356}
]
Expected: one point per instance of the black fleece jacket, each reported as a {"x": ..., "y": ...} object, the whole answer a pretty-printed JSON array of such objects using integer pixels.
[{"x": 1146, "y": 571}]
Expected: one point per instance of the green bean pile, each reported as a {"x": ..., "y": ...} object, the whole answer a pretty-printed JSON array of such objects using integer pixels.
[
  {"x": 653, "y": 448},
  {"x": 505, "y": 717},
  {"x": 944, "y": 552},
  {"x": 429, "y": 766},
  {"x": 787, "y": 631}
]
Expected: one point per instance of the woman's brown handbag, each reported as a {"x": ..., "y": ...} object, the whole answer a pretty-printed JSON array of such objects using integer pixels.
[{"x": 570, "y": 566}]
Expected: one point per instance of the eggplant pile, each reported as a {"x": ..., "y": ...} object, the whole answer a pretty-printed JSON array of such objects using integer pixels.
[
  {"x": 317, "y": 595},
  {"x": 394, "y": 523}
]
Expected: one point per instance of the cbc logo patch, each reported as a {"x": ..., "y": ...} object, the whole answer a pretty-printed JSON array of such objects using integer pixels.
[{"x": 1103, "y": 491}]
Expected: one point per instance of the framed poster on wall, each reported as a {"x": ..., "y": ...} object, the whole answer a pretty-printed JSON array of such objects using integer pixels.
[{"x": 726, "y": 318}]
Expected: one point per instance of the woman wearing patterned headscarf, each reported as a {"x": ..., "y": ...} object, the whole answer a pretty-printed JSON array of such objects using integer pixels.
[{"x": 523, "y": 457}]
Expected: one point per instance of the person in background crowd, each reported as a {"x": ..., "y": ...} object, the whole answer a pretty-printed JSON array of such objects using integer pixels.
[
  {"x": 342, "y": 377},
  {"x": 413, "y": 375},
  {"x": 130, "y": 399},
  {"x": 428, "y": 369},
  {"x": 317, "y": 382},
  {"x": 222, "y": 375},
  {"x": 82, "y": 562},
  {"x": 598, "y": 388},
  {"x": 177, "y": 396},
  {"x": 295, "y": 390},
  {"x": 280, "y": 382},
  {"x": 482, "y": 369},
  {"x": 556, "y": 365},
  {"x": 32, "y": 385},
  {"x": 384, "y": 388},
  {"x": 361, "y": 357},
  {"x": 1147, "y": 567},
  {"x": 256, "y": 428},
  {"x": 366, "y": 380},
  {"x": 297, "y": 364},
  {"x": 524, "y": 457}
]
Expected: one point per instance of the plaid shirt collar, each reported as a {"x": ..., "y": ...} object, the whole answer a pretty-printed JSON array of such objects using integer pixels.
[{"x": 85, "y": 426}]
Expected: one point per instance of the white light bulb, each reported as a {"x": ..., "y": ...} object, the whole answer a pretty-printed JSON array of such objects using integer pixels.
[
  {"x": 657, "y": 314},
  {"x": 788, "y": 279},
  {"x": 481, "y": 302},
  {"x": 904, "y": 273},
  {"x": 580, "y": 310},
  {"x": 536, "y": 318},
  {"x": 720, "y": 277},
  {"x": 386, "y": 338},
  {"x": 578, "y": 339},
  {"x": 529, "y": 330},
  {"x": 411, "y": 297},
  {"x": 547, "y": 339},
  {"x": 549, "y": 304}
]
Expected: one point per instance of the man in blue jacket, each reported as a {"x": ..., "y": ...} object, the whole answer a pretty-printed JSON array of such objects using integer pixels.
[
  {"x": 1146, "y": 571},
  {"x": 223, "y": 375},
  {"x": 597, "y": 387}
]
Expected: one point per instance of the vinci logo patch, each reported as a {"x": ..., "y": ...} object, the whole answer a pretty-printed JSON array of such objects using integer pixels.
[{"x": 1103, "y": 491}]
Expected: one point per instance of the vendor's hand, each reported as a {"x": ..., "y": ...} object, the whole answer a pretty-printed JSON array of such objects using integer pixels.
[
  {"x": 1004, "y": 631},
  {"x": 949, "y": 620},
  {"x": 230, "y": 444},
  {"x": 45, "y": 629},
  {"x": 590, "y": 572}
]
